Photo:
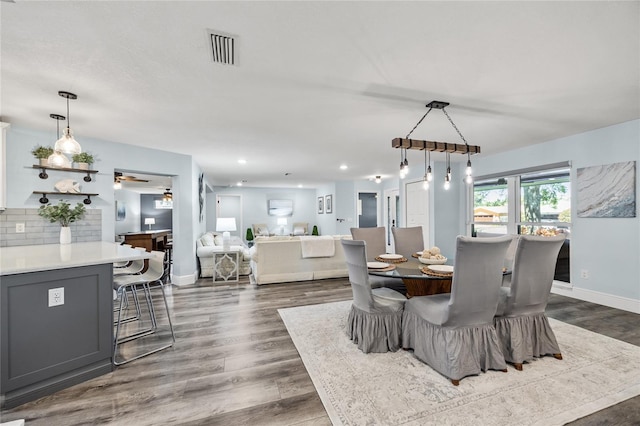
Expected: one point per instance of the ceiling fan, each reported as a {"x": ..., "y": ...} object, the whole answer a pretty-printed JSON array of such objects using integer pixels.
[{"x": 119, "y": 177}]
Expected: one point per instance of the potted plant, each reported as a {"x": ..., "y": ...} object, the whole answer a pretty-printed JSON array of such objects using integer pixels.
[
  {"x": 315, "y": 231},
  {"x": 64, "y": 214},
  {"x": 83, "y": 160},
  {"x": 249, "y": 236},
  {"x": 42, "y": 153}
]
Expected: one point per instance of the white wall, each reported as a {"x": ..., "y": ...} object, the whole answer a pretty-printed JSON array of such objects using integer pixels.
[
  {"x": 609, "y": 248},
  {"x": 255, "y": 207}
]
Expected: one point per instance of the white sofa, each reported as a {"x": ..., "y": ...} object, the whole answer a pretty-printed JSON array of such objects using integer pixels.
[
  {"x": 211, "y": 242},
  {"x": 279, "y": 259}
]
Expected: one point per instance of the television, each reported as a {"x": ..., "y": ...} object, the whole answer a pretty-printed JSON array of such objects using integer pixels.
[{"x": 280, "y": 207}]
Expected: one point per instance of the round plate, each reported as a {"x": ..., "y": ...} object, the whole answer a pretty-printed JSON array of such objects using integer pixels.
[
  {"x": 419, "y": 253},
  {"x": 390, "y": 256},
  {"x": 432, "y": 261},
  {"x": 377, "y": 265},
  {"x": 441, "y": 269}
]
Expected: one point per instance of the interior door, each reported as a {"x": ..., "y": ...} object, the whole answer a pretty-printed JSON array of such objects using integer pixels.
[
  {"x": 417, "y": 211},
  {"x": 391, "y": 209},
  {"x": 367, "y": 209}
]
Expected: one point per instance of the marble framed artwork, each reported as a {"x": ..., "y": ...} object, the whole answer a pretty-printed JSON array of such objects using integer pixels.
[{"x": 607, "y": 190}]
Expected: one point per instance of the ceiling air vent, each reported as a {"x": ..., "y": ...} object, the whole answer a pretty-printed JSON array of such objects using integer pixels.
[{"x": 223, "y": 47}]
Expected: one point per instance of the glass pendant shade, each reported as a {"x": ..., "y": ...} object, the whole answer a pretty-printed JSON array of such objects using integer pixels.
[
  {"x": 67, "y": 144},
  {"x": 58, "y": 159}
]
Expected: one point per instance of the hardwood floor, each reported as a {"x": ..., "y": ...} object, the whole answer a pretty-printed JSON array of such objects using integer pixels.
[{"x": 234, "y": 363}]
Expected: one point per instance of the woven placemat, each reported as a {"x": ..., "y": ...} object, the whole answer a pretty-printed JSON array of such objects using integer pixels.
[
  {"x": 380, "y": 259},
  {"x": 426, "y": 270},
  {"x": 388, "y": 268},
  {"x": 415, "y": 255}
]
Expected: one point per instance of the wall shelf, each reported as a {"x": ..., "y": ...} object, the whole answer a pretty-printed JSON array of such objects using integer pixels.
[
  {"x": 45, "y": 200},
  {"x": 43, "y": 171}
]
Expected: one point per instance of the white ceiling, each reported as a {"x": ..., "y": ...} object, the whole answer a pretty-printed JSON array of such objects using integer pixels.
[{"x": 319, "y": 84}]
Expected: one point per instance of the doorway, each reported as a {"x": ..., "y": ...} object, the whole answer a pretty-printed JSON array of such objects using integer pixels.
[
  {"x": 230, "y": 205},
  {"x": 417, "y": 208},
  {"x": 391, "y": 209},
  {"x": 367, "y": 209}
]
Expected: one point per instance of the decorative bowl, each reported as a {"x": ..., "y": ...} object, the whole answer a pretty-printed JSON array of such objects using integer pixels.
[{"x": 432, "y": 261}]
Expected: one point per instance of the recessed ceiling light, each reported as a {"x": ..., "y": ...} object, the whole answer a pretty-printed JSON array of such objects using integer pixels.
[
  {"x": 343, "y": 167},
  {"x": 242, "y": 161}
]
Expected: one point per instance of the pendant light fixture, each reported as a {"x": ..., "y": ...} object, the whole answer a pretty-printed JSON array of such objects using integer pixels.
[
  {"x": 67, "y": 144},
  {"x": 168, "y": 196},
  {"x": 58, "y": 159},
  {"x": 378, "y": 179},
  {"x": 428, "y": 146}
]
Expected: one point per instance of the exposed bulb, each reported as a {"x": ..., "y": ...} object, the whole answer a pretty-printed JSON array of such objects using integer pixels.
[
  {"x": 425, "y": 184},
  {"x": 447, "y": 182},
  {"x": 448, "y": 173},
  {"x": 117, "y": 185},
  {"x": 67, "y": 144},
  {"x": 429, "y": 174},
  {"x": 406, "y": 166},
  {"x": 468, "y": 170},
  {"x": 468, "y": 179},
  {"x": 58, "y": 159},
  {"x": 378, "y": 179}
]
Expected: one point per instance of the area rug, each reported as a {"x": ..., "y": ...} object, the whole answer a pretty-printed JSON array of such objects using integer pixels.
[{"x": 397, "y": 389}]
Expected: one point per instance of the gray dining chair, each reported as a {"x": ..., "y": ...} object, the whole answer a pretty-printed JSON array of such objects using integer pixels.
[
  {"x": 375, "y": 238},
  {"x": 454, "y": 333},
  {"x": 407, "y": 241},
  {"x": 375, "y": 318},
  {"x": 521, "y": 322},
  {"x": 376, "y": 245}
]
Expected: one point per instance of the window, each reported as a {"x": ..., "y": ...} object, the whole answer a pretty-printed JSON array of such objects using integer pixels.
[
  {"x": 491, "y": 207},
  {"x": 545, "y": 200}
]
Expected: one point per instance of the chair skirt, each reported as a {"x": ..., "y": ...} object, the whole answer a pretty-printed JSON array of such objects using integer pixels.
[
  {"x": 453, "y": 352},
  {"x": 525, "y": 337},
  {"x": 375, "y": 332}
]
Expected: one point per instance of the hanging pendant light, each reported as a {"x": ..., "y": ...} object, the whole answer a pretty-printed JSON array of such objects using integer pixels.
[
  {"x": 58, "y": 159},
  {"x": 468, "y": 171},
  {"x": 447, "y": 176},
  {"x": 403, "y": 172},
  {"x": 168, "y": 196},
  {"x": 67, "y": 144},
  {"x": 425, "y": 180}
]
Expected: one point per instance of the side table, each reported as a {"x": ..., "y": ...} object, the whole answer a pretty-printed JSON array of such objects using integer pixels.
[{"x": 225, "y": 266}]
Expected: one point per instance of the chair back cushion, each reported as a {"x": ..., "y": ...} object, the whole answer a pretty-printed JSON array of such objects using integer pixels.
[
  {"x": 477, "y": 277},
  {"x": 375, "y": 239},
  {"x": 533, "y": 270},
  {"x": 408, "y": 240},
  {"x": 355, "y": 256}
]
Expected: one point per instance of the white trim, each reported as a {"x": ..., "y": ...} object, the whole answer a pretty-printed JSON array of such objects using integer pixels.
[
  {"x": 179, "y": 280},
  {"x": 613, "y": 301}
]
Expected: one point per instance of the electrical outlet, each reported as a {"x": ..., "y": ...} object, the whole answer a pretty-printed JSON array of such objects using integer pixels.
[
  {"x": 56, "y": 296},
  {"x": 584, "y": 274},
  {"x": 20, "y": 228}
]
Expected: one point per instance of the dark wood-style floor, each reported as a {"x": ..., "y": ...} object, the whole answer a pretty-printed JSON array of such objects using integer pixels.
[{"x": 234, "y": 364}]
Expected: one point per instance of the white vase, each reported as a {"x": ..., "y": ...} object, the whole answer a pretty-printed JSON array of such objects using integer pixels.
[
  {"x": 82, "y": 166},
  {"x": 65, "y": 235}
]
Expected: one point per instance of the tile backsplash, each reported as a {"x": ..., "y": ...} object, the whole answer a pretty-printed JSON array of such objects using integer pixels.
[{"x": 39, "y": 230}]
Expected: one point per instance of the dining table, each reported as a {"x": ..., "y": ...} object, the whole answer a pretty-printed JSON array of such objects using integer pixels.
[{"x": 417, "y": 282}]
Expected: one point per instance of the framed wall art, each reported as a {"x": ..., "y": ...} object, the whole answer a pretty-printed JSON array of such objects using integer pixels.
[
  {"x": 320, "y": 205},
  {"x": 328, "y": 204},
  {"x": 608, "y": 190}
]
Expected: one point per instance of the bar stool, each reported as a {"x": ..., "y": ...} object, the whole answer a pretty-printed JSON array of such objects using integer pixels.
[{"x": 148, "y": 281}]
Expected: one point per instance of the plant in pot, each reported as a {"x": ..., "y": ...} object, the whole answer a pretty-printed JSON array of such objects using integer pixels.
[
  {"x": 249, "y": 236},
  {"x": 315, "y": 230},
  {"x": 65, "y": 215},
  {"x": 83, "y": 160},
  {"x": 42, "y": 153}
]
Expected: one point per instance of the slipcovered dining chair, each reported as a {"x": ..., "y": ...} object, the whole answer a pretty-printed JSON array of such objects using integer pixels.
[
  {"x": 376, "y": 245},
  {"x": 521, "y": 322},
  {"x": 407, "y": 241},
  {"x": 454, "y": 333},
  {"x": 375, "y": 319},
  {"x": 375, "y": 238}
]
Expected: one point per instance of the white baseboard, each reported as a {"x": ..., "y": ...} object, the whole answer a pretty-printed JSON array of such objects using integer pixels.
[
  {"x": 618, "y": 302},
  {"x": 179, "y": 280}
]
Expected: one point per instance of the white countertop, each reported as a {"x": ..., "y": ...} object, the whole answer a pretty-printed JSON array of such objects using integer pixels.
[{"x": 21, "y": 259}]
